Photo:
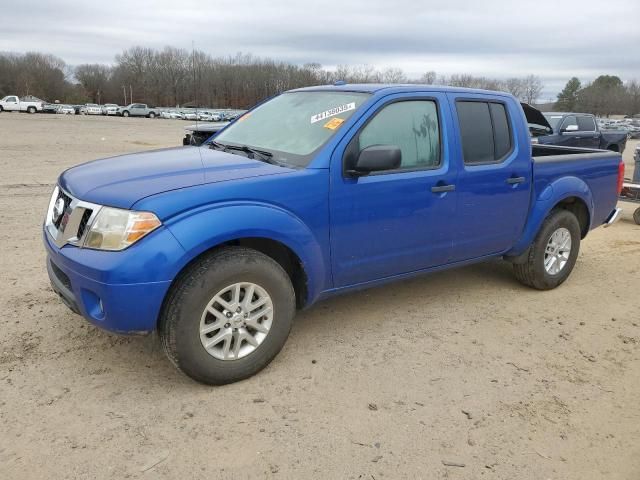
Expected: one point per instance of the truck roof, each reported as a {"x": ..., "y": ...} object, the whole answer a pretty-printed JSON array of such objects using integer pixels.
[{"x": 396, "y": 88}]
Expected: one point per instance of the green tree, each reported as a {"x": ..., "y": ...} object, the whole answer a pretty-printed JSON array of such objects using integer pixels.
[{"x": 568, "y": 97}]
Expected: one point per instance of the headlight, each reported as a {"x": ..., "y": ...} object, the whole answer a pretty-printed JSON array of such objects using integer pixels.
[{"x": 116, "y": 229}]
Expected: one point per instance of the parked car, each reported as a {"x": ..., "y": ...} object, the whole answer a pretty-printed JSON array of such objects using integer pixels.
[
  {"x": 138, "y": 110},
  {"x": 580, "y": 130},
  {"x": 189, "y": 115},
  {"x": 110, "y": 109},
  {"x": 66, "y": 110},
  {"x": 12, "y": 103},
  {"x": 91, "y": 109},
  {"x": 50, "y": 107},
  {"x": 216, "y": 246},
  {"x": 196, "y": 134}
]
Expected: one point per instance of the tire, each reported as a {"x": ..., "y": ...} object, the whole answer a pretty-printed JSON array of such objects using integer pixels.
[
  {"x": 1, "y": 109},
  {"x": 192, "y": 296},
  {"x": 152, "y": 115},
  {"x": 532, "y": 271},
  {"x": 636, "y": 216},
  {"x": 125, "y": 113},
  {"x": 31, "y": 110}
]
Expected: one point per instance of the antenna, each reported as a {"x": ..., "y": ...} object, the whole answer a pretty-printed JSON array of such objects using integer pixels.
[
  {"x": 195, "y": 84},
  {"x": 195, "y": 94}
]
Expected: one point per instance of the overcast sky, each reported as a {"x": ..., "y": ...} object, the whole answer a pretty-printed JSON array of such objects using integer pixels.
[{"x": 498, "y": 38}]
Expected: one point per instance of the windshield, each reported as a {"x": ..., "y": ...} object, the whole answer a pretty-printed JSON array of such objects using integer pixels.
[
  {"x": 553, "y": 120},
  {"x": 292, "y": 126}
]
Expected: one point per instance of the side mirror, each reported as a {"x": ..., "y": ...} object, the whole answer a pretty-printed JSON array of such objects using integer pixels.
[
  {"x": 570, "y": 128},
  {"x": 377, "y": 158}
]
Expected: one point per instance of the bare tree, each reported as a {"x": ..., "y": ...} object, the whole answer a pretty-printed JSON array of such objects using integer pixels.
[{"x": 533, "y": 87}]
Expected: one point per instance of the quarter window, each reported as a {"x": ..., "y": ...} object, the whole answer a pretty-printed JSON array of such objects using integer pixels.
[
  {"x": 484, "y": 132},
  {"x": 410, "y": 125}
]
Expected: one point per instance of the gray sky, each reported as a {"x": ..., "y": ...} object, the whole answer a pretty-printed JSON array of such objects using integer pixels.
[{"x": 496, "y": 38}]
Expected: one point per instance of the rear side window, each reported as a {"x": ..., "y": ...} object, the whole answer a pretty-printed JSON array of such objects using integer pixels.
[
  {"x": 586, "y": 124},
  {"x": 484, "y": 131}
]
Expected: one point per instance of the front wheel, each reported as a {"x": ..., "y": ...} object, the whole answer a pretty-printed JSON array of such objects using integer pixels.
[
  {"x": 227, "y": 316},
  {"x": 553, "y": 253},
  {"x": 152, "y": 115},
  {"x": 636, "y": 216},
  {"x": 125, "y": 114}
]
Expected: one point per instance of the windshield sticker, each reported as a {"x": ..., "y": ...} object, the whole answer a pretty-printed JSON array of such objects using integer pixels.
[
  {"x": 332, "y": 112},
  {"x": 334, "y": 123}
]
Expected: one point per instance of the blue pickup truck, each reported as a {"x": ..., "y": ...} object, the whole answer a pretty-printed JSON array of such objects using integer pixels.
[{"x": 315, "y": 192}]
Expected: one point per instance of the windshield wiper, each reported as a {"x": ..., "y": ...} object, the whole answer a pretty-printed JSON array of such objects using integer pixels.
[
  {"x": 263, "y": 155},
  {"x": 219, "y": 146}
]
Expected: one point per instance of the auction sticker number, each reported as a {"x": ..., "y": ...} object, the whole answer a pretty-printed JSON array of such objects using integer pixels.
[{"x": 333, "y": 111}]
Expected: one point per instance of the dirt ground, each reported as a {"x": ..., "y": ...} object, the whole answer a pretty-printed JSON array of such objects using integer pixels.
[{"x": 464, "y": 367}]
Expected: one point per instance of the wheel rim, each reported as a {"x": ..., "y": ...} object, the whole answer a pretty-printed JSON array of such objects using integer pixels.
[
  {"x": 236, "y": 321},
  {"x": 557, "y": 251}
]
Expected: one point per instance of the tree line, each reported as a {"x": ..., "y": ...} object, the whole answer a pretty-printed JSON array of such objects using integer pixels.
[
  {"x": 606, "y": 95},
  {"x": 177, "y": 77}
]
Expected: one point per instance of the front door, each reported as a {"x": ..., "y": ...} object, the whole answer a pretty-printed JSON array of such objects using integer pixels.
[
  {"x": 11, "y": 104},
  {"x": 394, "y": 222}
]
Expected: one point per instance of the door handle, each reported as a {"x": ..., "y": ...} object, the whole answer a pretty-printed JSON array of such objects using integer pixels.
[
  {"x": 443, "y": 188},
  {"x": 515, "y": 180}
]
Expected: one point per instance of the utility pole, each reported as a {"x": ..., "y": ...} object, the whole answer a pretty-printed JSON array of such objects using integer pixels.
[{"x": 124, "y": 90}]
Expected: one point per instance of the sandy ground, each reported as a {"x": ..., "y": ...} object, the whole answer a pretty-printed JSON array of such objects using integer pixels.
[{"x": 464, "y": 367}]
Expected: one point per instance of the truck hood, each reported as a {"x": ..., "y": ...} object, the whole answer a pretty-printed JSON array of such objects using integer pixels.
[{"x": 122, "y": 181}]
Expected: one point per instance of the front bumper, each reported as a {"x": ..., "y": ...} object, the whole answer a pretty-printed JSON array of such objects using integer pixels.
[{"x": 120, "y": 292}]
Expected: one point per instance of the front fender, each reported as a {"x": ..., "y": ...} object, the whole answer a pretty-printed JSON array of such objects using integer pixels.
[
  {"x": 206, "y": 227},
  {"x": 548, "y": 198}
]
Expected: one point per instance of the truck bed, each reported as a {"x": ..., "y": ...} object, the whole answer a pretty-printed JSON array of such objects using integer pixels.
[{"x": 598, "y": 169}]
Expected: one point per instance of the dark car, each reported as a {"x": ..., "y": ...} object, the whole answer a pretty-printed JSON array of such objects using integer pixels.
[
  {"x": 196, "y": 134},
  {"x": 579, "y": 130}
]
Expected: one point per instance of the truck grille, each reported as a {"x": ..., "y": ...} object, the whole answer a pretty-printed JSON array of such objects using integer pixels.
[
  {"x": 67, "y": 201},
  {"x": 68, "y": 218}
]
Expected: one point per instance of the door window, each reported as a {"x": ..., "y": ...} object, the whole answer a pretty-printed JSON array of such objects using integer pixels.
[
  {"x": 586, "y": 124},
  {"x": 570, "y": 121},
  {"x": 484, "y": 132},
  {"x": 410, "y": 125}
]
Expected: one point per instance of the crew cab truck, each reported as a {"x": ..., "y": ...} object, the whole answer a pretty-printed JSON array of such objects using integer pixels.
[
  {"x": 12, "y": 103},
  {"x": 138, "y": 110},
  {"x": 313, "y": 193},
  {"x": 580, "y": 130}
]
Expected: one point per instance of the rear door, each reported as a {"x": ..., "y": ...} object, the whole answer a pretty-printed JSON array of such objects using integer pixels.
[
  {"x": 587, "y": 135},
  {"x": 494, "y": 181},
  {"x": 397, "y": 221},
  {"x": 139, "y": 110}
]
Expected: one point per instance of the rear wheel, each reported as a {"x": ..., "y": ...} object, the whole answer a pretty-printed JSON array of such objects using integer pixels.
[
  {"x": 227, "y": 316},
  {"x": 152, "y": 115},
  {"x": 31, "y": 110},
  {"x": 636, "y": 216},
  {"x": 553, "y": 253}
]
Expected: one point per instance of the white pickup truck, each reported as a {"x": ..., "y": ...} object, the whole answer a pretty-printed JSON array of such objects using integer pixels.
[{"x": 11, "y": 103}]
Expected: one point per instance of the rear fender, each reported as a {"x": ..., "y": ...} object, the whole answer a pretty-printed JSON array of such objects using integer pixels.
[
  {"x": 550, "y": 197},
  {"x": 207, "y": 227}
]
